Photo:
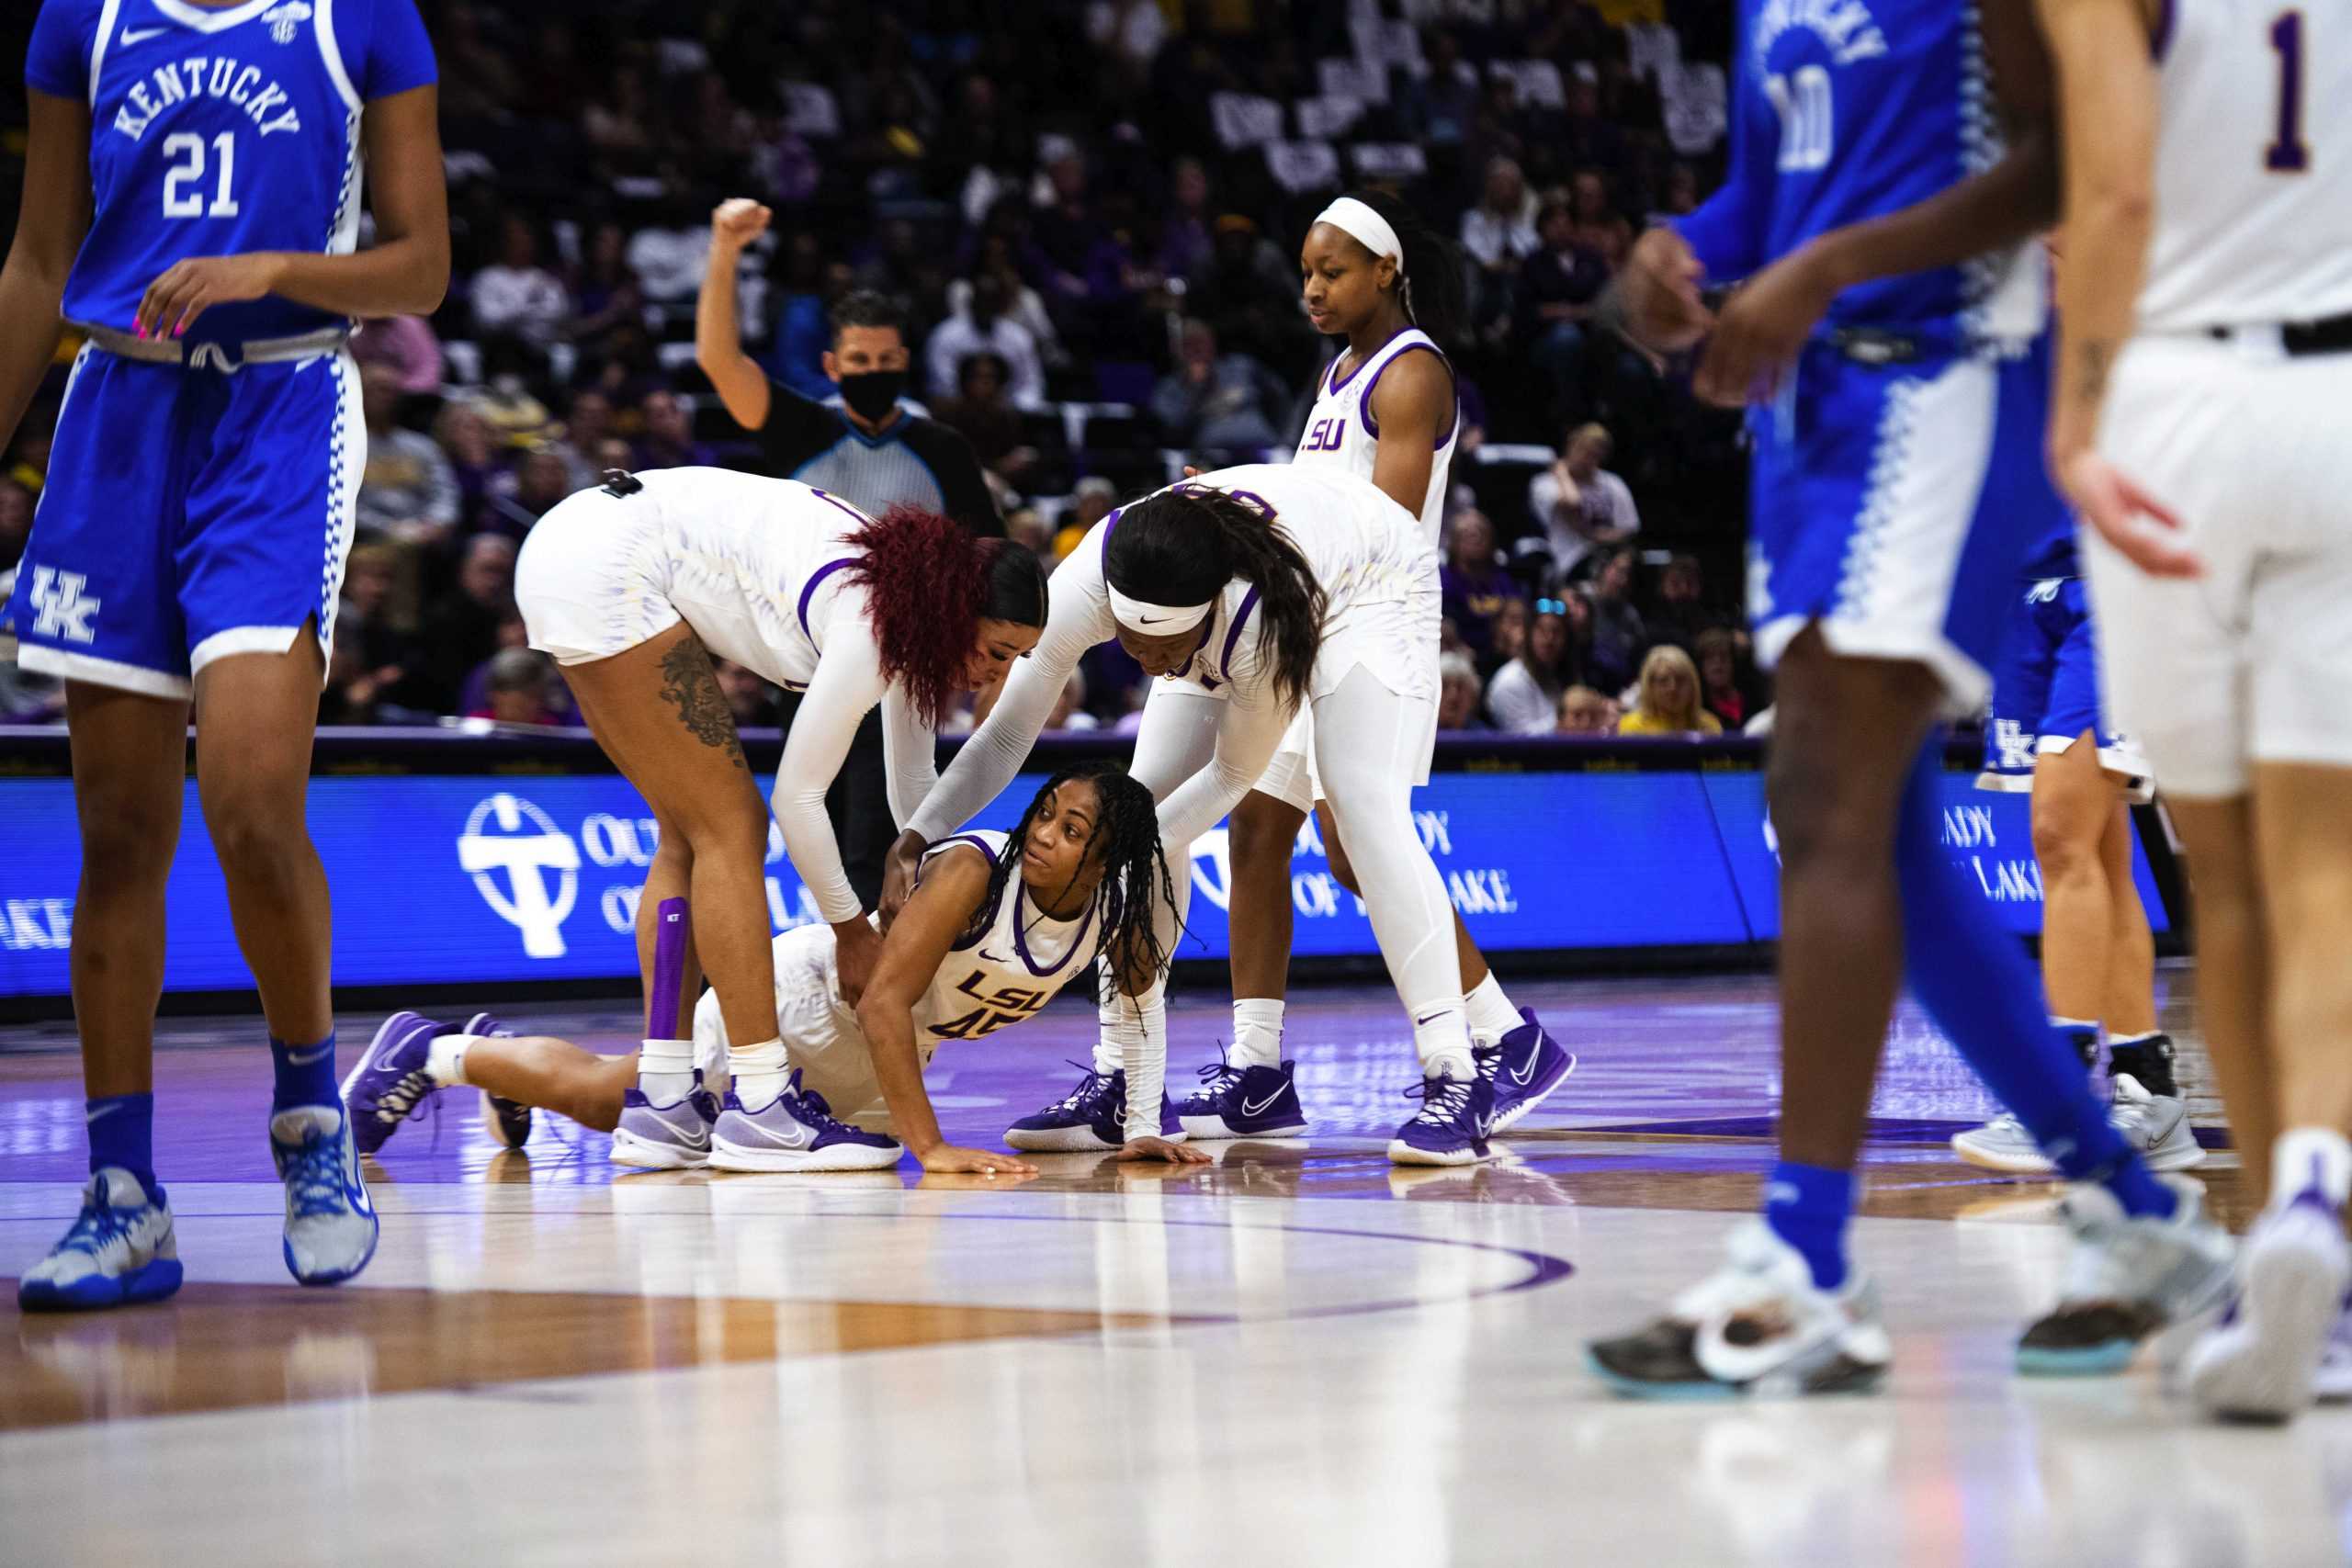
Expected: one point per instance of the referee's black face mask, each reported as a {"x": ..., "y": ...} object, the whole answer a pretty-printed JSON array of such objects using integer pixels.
[{"x": 871, "y": 393}]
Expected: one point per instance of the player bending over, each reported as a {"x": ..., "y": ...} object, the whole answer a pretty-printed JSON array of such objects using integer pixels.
[{"x": 997, "y": 926}]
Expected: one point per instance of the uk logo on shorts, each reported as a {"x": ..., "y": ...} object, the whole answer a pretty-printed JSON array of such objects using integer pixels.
[{"x": 59, "y": 608}]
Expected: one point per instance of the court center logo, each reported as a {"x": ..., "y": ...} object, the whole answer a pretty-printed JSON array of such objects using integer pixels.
[{"x": 505, "y": 834}]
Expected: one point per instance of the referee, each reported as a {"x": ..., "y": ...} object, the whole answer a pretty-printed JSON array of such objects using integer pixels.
[{"x": 870, "y": 452}]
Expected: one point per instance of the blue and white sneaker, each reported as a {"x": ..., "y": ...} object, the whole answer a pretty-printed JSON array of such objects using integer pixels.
[
  {"x": 2261, "y": 1362},
  {"x": 2128, "y": 1280},
  {"x": 1091, "y": 1118},
  {"x": 1451, "y": 1126},
  {"x": 388, "y": 1085},
  {"x": 1524, "y": 1066},
  {"x": 508, "y": 1121},
  {"x": 796, "y": 1131},
  {"x": 665, "y": 1137},
  {"x": 120, "y": 1251},
  {"x": 330, "y": 1226},
  {"x": 1243, "y": 1102}
]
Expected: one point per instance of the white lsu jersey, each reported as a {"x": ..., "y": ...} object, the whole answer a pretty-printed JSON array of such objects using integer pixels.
[
  {"x": 1013, "y": 968},
  {"x": 1342, "y": 433},
  {"x": 2253, "y": 167}
]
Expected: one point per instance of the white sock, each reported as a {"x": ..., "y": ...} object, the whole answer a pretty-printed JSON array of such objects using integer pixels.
[
  {"x": 665, "y": 1070},
  {"x": 1442, "y": 1037},
  {"x": 1491, "y": 1014},
  {"x": 445, "y": 1059},
  {"x": 2308, "y": 1157},
  {"x": 1257, "y": 1033}
]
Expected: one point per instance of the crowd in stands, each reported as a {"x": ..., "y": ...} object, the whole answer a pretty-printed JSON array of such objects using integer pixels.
[{"x": 1090, "y": 215}]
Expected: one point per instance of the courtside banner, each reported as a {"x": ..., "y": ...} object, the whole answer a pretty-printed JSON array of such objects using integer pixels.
[{"x": 494, "y": 879}]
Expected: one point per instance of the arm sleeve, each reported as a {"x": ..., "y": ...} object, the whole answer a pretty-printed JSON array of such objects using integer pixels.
[
  {"x": 1078, "y": 617},
  {"x": 910, "y": 756},
  {"x": 396, "y": 55},
  {"x": 57, "y": 57},
  {"x": 1727, "y": 231},
  {"x": 797, "y": 428},
  {"x": 1248, "y": 733},
  {"x": 849, "y": 683}
]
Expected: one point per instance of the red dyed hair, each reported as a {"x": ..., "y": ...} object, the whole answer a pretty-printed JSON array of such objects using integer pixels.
[{"x": 928, "y": 585}]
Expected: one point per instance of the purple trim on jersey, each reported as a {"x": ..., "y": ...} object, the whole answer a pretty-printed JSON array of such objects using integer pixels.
[
  {"x": 809, "y": 589},
  {"x": 1367, "y": 359},
  {"x": 1372, "y": 424},
  {"x": 1233, "y": 633},
  {"x": 2162, "y": 40},
  {"x": 1020, "y": 940},
  {"x": 831, "y": 499}
]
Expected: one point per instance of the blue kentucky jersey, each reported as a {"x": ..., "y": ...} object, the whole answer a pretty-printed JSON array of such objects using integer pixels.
[
  {"x": 1844, "y": 110},
  {"x": 219, "y": 133}
]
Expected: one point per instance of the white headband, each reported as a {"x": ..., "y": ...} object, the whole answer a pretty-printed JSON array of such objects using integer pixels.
[
  {"x": 1369, "y": 228},
  {"x": 1156, "y": 620}
]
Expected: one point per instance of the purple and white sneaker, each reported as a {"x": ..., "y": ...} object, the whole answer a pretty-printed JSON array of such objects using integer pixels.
[
  {"x": 665, "y": 1137},
  {"x": 1243, "y": 1102},
  {"x": 1456, "y": 1118},
  {"x": 1524, "y": 1066},
  {"x": 796, "y": 1131},
  {"x": 508, "y": 1121},
  {"x": 2261, "y": 1362},
  {"x": 1091, "y": 1118},
  {"x": 389, "y": 1084}
]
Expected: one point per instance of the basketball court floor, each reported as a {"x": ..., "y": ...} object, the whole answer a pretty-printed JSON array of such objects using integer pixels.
[{"x": 1298, "y": 1355}]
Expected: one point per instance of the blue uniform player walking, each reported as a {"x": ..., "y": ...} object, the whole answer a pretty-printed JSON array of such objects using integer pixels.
[
  {"x": 1896, "y": 421},
  {"x": 192, "y": 198}
]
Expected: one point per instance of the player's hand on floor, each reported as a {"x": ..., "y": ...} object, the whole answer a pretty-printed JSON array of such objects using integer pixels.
[
  {"x": 947, "y": 1158},
  {"x": 1138, "y": 1149},
  {"x": 2140, "y": 528},
  {"x": 186, "y": 288},
  {"x": 1759, "y": 333}
]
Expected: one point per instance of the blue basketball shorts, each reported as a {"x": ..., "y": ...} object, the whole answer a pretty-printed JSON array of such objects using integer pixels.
[
  {"x": 1892, "y": 506},
  {"x": 2046, "y": 692},
  {"x": 189, "y": 515}
]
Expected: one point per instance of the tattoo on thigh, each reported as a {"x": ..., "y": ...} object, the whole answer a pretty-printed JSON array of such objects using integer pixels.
[{"x": 688, "y": 680}]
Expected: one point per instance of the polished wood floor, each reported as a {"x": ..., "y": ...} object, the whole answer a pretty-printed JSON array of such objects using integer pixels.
[{"x": 1299, "y": 1354}]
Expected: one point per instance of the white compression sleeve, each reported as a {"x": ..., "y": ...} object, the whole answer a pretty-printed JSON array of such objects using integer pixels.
[
  {"x": 1246, "y": 737},
  {"x": 909, "y": 757},
  {"x": 1176, "y": 740},
  {"x": 1363, "y": 734},
  {"x": 848, "y": 684},
  {"x": 1077, "y": 617}
]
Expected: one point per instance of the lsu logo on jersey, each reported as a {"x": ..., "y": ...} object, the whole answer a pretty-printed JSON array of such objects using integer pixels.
[
  {"x": 999, "y": 1007},
  {"x": 1325, "y": 435}
]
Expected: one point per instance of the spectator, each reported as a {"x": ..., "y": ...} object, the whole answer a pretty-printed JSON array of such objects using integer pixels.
[
  {"x": 982, "y": 327},
  {"x": 669, "y": 440},
  {"x": 516, "y": 415},
  {"x": 1584, "y": 711},
  {"x": 619, "y": 119},
  {"x": 755, "y": 704},
  {"x": 406, "y": 490},
  {"x": 403, "y": 345},
  {"x": 465, "y": 439},
  {"x": 520, "y": 688},
  {"x": 588, "y": 424},
  {"x": 1475, "y": 585},
  {"x": 371, "y": 620},
  {"x": 1732, "y": 692},
  {"x": 1222, "y": 402},
  {"x": 462, "y": 629},
  {"x": 1089, "y": 504},
  {"x": 517, "y": 294},
  {"x": 1249, "y": 297},
  {"x": 515, "y": 506},
  {"x": 1509, "y": 637},
  {"x": 1681, "y": 601},
  {"x": 1668, "y": 704},
  {"x": 1619, "y": 633},
  {"x": 1459, "y": 695},
  {"x": 1498, "y": 235},
  {"x": 1024, "y": 307},
  {"x": 605, "y": 290},
  {"x": 1184, "y": 242},
  {"x": 1557, "y": 288},
  {"x": 983, "y": 415},
  {"x": 1028, "y": 528},
  {"x": 1524, "y": 696},
  {"x": 1581, "y": 505}
]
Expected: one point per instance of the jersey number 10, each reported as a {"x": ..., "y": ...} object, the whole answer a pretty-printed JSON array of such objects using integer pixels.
[
  {"x": 184, "y": 181},
  {"x": 1802, "y": 100}
]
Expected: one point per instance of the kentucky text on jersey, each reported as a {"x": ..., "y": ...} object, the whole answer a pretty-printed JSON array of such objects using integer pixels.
[
  {"x": 1844, "y": 25},
  {"x": 266, "y": 104}
]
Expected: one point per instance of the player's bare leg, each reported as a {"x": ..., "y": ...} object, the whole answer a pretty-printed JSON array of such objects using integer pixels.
[
  {"x": 553, "y": 1074},
  {"x": 2233, "y": 974}
]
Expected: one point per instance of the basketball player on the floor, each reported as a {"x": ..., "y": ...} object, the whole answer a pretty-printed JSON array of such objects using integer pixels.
[
  {"x": 1262, "y": 588},
  {"x": 2049, "y": 734},
  {"x": 632, "y": 587},
  {"x": 206, "y": 160},
  {"x": 1385, "y": 412},
  {"x": 999, "y": 924},
  {"x": 2203, "y": 424},
  {"x": 1887, "y": 524}
]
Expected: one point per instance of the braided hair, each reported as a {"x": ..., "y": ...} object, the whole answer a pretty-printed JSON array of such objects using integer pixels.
[
  {"x": 1183, "y": 545},
  {"x": 1135, "y": 866},
  {"x": 1429, "y": 287}
]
